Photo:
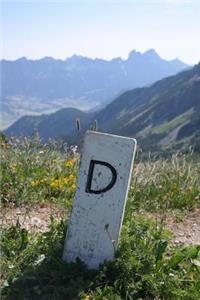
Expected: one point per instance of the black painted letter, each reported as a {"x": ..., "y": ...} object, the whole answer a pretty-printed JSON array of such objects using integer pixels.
[{"x": 90, "y": 176}]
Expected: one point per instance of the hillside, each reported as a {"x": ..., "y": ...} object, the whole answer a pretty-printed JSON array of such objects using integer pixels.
[
  {"x": 48, "y": 84},
  {"x": 163, "y": 115},
  {"x": 61, "y": 124},
  {"x": 165, "y": 112}
]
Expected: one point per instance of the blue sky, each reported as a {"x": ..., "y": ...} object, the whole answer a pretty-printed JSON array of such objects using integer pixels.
[{"x": 103, "y": 29}]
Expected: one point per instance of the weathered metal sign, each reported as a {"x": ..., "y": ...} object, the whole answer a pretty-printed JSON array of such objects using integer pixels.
[{"x": 100, "y": 199}]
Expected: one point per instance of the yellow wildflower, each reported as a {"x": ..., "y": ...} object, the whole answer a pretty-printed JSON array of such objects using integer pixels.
[
  {"x": 13, "y": 166},
  {"x": 35, "y": 182},
  {"x": 73, "y": 186},
  {"x": 69, "y": 163},
  {"x": 65, "y": 180},
  {"x": 71, "y": 176}
]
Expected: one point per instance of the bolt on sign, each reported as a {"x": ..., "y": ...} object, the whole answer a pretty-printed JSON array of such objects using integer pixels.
[{"x": 99, "y": 205}]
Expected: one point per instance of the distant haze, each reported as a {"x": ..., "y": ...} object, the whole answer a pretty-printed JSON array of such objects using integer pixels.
[
  {"x": 165, "y": 115},
  {"x": 103, "y": 29},
  {"x": 46, "y": 85}
]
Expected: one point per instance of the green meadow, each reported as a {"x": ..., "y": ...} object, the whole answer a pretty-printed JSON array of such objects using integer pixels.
[{"x": 147, "y": 265}]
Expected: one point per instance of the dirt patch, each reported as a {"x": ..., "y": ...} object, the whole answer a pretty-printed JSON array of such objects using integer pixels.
[
  {"x": 35, "y": 218},
  {"x": 185, "y": 227}
]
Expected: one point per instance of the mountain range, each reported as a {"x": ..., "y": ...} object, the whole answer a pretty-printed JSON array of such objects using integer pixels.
[
  {"x": 164, "y": 115},
  {"x": 32, "y": 87}
]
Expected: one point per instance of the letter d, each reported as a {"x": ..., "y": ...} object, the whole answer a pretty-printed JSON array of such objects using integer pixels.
[{"x": 90, "y": 176}]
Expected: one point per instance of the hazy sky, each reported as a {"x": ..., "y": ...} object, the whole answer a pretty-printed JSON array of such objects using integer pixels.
[{"x": 103, "y": 29}]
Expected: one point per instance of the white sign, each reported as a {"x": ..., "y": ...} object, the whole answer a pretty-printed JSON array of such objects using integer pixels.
[{"x": 99, "y": 205}]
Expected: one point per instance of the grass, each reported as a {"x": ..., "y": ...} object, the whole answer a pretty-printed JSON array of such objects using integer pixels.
[
  {"x": 166, "y": 184},
  {"x": 170, "y": 125},
  {"x": 32, "y": 172},
  {"x": 35, "y": 173},
  {"x": 147, "y": 264}
]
